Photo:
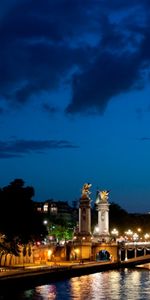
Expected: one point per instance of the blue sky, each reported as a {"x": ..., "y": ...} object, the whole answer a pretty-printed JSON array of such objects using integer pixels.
[{"x": 74, "y": 98}]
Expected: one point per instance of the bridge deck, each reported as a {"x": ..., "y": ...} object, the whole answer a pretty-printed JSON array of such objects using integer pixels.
[{"x": 135, "y": 261}]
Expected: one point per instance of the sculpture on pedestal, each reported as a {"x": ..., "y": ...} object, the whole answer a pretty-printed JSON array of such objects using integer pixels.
[
  {"x": 85, "y": 191},
  {"x": 103, "y": 215},
  {"x": 85, "y": 212},
  {"x": 102, "y": 196}
]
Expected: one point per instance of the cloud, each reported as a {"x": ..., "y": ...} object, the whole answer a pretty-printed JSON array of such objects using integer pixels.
[
  {"x": 103, "y": 47},
  {"x": 109, "y": 76},
  {"x": 19, "y": 148},
  {"x": 49, "y": 108}
]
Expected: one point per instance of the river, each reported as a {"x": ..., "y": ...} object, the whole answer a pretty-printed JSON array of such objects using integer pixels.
[{"x": 125, "y": 284}]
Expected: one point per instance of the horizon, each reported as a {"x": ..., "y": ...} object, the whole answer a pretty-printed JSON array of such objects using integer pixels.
[{"x": 77, "y": 199}]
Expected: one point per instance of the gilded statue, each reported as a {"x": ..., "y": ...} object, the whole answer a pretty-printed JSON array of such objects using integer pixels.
[
  {"x": 85, "y": 190},
  {"x": 102, "y": 196}
]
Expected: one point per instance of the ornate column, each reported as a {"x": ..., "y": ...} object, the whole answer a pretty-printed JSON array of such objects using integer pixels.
[
  {"x": 103, "y": 215},
  {"x": 82, "y": 240},
  {"x": 85, "y": 212}
]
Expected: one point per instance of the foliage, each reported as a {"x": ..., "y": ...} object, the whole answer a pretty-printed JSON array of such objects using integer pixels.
[
  {"x": 9, "y": 246},
  {"x": 61, "y": 232},
  {"x": 119, "y": 218},
  {"x": 19, "y": 221}
]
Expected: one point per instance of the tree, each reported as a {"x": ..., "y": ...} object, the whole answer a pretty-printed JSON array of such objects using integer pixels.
[
  {"x": 19, "y": 221},
  {"x": 118, "y": 217}
]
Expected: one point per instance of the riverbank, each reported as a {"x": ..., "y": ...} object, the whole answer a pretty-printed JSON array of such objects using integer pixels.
[{"x": 28, "y": 277}]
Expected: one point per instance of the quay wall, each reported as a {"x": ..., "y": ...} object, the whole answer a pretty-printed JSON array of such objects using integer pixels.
[{"x": 44, "y": 254}]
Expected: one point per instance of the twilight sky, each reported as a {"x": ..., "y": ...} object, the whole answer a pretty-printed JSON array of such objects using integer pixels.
[{"x": 74, "y": 98}]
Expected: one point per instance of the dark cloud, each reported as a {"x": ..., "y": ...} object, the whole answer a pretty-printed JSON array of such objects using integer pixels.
[
  {"x": 49, "y": 108},
  {"x": 107, "y": 43},
  {"x": 19, "y": 148},
  {"x": 35, "y": 52},
  {"x": 117, "y": 74}
]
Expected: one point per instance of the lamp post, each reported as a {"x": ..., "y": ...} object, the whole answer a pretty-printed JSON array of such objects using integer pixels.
[
  {"x": 139, "y": 230},
  {"x": 129, "y": 233},
  {"x": 146, "y": 236},
  {"x": 135, "y": 237},
  {"x": 114, "y": 233}
]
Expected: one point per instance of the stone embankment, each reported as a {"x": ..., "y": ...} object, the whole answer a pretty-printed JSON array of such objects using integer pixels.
[{"x": 28, "y": 277}]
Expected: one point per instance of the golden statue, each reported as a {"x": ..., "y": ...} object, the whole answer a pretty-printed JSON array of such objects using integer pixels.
[
  {"x": 102, "y": 196},
  {"x": 85, "y": 190}
]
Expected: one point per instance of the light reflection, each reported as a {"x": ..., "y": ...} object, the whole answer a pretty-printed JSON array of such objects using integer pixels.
[
  {"x": 114, "y": 284},
  {"x": 133, "y": 280},
  {"x": 81, "y": 286},
  {"x": 46, "y": 292},
  {"x": 103, "y": 285}
]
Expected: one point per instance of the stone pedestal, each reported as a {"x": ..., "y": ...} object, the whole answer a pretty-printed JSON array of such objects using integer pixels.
[
  {"x": 102, "y": 233},
  {"x": 83, "y": 250},
  {"x": 84, "y": 219}
]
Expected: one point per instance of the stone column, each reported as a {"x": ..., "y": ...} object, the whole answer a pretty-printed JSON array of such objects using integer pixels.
[
  {"x": 85, "y": 217},
  {"x": 103, "y": 216},
  {"x": 85, "y": 214}
]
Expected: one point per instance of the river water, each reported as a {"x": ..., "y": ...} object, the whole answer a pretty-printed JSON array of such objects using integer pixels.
[{"x": 126, "y": 284}]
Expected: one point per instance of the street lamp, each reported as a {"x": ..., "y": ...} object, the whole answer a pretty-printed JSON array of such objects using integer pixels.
[
  {"x": 114, "y": 233},
  {"x": 139, "y": 230},
  {"x": 146, "y": 236},
  {"x": 135, "y": 236},
  {"x": 45, "y": 222},
  {"x": 129, "y": 233}
]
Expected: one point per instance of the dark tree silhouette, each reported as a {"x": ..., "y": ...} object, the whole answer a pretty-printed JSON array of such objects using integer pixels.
[{"x": 18, "y": 219}]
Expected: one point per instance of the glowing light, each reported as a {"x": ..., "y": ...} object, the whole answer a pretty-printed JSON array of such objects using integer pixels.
[
  {"x": 146, "y": 236},
  {"x": 76, "y": 251},
  {"x": 114, "y": 232},
  {"x": 129, "y": 232},
  {"x": 135, "y": 236},
  {"x": 96, "y": 229},
  {"x": 49, "y": 253}
]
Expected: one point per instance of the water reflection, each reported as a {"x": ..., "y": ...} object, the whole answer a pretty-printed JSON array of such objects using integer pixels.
[
  {"x": 81, "y": 287},
  {"x": 111, "y": 285},
  {"x": 43, "y": 292}
]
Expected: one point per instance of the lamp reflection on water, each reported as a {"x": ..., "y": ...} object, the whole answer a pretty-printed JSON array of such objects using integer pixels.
[
  {"x": 96, "y": 286},
  {"x": 46, "y": 292}
]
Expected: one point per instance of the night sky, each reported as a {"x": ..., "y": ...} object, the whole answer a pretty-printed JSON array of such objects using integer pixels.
[{"x": 74, "y": 98}]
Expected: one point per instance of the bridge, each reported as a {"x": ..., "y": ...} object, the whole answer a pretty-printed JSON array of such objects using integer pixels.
[
  {"x": 124, "y": 253},
  {"x": 133, "y": 253}
]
